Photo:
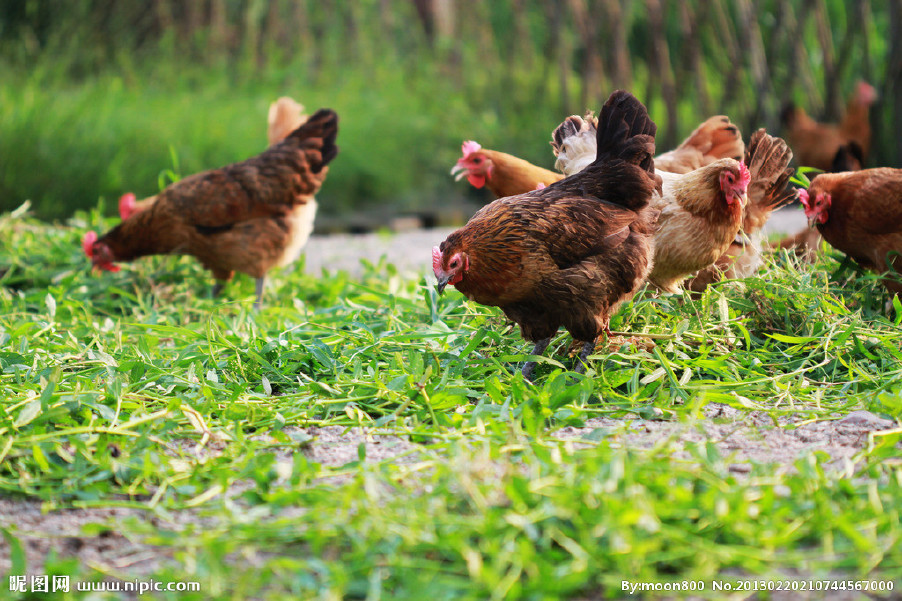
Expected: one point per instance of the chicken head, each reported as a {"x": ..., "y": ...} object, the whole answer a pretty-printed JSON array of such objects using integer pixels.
[{"x": 474, "y": 164}]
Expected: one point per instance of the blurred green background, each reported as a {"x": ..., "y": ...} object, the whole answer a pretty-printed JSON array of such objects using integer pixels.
[{"x": 100, "y": 97}]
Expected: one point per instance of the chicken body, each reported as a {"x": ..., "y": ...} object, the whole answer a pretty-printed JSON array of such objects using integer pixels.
[
  {"x": 503, "y": 174},
  {"x": 768, "y": 159},
  {"x": 715, "y": 139},
  {"x": 825, "y": 145},
  {"x": 860, "y": 213},
  {"x": 701, "y": 213},
  {"x": 285, "y": 116},
  {"x": 248, "y": 216},
  {"x": 569, "y": 254}
]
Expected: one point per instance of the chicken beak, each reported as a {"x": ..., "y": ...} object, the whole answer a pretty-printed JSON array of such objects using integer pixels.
[
  {"x": 458, "y": 171},
  {"x": 442, "y": 282}
]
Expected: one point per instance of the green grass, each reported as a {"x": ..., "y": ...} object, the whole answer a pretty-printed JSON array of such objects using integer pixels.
[{"x": 134, "y": 389}]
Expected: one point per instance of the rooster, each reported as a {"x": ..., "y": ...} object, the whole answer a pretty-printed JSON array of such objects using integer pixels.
[
  {"x": 248, "y": 216},
  {"x": 860, "y": 213},
  {"x": 820, "y": 144},
  {"x": 570, "y": 253},
  {"x": 701, "y": 211},
  {"x": 768, "y": 161},
  {"x": 285, "y": 116}
]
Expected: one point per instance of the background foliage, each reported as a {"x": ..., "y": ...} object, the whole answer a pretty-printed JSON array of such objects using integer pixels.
[{"x": 99, "y": 97}]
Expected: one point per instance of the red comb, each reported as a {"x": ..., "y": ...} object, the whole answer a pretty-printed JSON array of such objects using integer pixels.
[
  {"x": 436, "y": 259},
  {"x": 803, "y": 197},
  {"x": 470, "y": 146},
  {"x": 87, "y": 243},
  {"x": 126, "y": 205},
  {"x": 744, "y": 176}
]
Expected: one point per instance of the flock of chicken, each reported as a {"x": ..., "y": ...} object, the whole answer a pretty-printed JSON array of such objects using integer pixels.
[{"x": 555, "y": 249}]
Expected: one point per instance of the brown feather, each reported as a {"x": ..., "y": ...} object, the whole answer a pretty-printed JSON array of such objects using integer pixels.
[
  {"x": 864, "y": 219},
  {"x": 243, "y": 217}
]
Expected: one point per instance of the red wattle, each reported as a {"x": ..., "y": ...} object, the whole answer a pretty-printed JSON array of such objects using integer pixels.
[{"x": 477, "y": 181}]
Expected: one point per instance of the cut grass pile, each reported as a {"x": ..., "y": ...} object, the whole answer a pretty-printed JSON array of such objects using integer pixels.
[{"x": 136, "y": 390}]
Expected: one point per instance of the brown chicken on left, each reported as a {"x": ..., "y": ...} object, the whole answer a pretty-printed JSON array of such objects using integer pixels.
[
  {"x": 569, "y": 254},
  {"x": 248, "y": 216},
  {"x": 285, "y": 115}
]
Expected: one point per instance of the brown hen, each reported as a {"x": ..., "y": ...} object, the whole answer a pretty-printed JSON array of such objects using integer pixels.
[
  {"x": 248, "y": 216},
  {"x": 569, "y": 254},
  {"x": 860, "y": 213}
]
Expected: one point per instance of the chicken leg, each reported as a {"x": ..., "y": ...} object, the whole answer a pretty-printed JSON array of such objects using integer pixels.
[
  {"x": 587, "y": 349},
  {"x": 530, "y": 366},
  {"x": 259, "y": 290}
]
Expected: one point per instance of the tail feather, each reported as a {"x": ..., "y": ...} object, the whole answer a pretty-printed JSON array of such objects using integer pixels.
[
  {"x": 574, "y": 143},
  {"x": 320, "y": 130},
  {"x": 624, "y": 168},
  {"x": 768, "y": 159},
  {"x": 285, "y": 116},
  {"x": 626, "y": 132}
]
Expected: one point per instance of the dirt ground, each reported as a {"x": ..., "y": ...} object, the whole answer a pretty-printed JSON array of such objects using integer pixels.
[
  {"x": 411, "y": 251},
  {"x": 743, "y": 438}
]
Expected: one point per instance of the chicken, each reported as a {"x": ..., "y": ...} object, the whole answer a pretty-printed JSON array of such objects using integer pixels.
[
  {"x": 860, "y": 213},
  {"x": 574, "y": 145},
  {"x": 717, "y": 138},
  {"x": 804, "y": 244},
  {"x": 818, "y": 144},
  {"x": 701, "y": 211},
  {"x": 768, "y": 161},
  {"x": 504, "y": 174},
  {"x": 248, "y": 216},
  {"x": 285, "y": 116},
  {"x": 569, "y": 254}
]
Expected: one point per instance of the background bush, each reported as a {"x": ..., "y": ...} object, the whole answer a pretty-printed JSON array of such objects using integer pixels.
[{"x": 99, "y": 97}]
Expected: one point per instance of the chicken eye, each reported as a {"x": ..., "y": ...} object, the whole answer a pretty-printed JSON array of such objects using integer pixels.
[
  {"x": 454, "y": 264},
  {"x": 477, "y": 160}
]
